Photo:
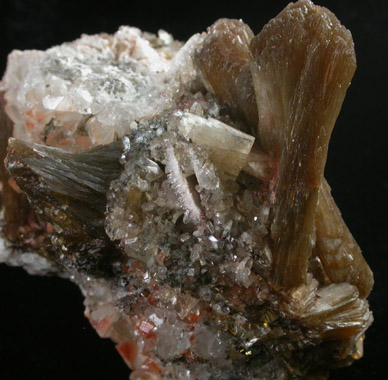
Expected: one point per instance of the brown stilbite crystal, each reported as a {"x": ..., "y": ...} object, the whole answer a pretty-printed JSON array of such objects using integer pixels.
[
  {"x": 224, "y": 61},
  {"x": 340, "y": 254},
  {"x": 181, "y": 187},
  {"x": 304, "y": 61}
]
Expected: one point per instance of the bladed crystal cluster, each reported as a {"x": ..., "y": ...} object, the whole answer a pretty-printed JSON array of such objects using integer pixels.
[{"x": 181, "y": 187}]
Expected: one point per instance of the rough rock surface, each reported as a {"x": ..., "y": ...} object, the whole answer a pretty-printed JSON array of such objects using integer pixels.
[{"x": 181, "y": 187}]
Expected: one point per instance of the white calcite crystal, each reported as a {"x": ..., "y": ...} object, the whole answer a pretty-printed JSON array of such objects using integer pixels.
[
  {"x": 181, "y": 187},
  {"x": 89, "y": 91}
]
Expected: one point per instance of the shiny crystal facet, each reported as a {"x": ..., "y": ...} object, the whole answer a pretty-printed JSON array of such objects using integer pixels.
[{"x": 228, "y": 147}]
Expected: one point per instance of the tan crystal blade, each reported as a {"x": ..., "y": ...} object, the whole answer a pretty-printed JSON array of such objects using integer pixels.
[
  {"x": 303, "y": 62},
  {"x": 228, "y": 147},
  {"x": 340, "y": 254},
  {"x": 224, "y": 61},
  {"x": 335, "y": 311},
  {"x": 338, "y": 312}
]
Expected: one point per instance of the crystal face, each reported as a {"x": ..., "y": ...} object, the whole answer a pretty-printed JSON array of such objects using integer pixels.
[{"x": 181, "y": 187}]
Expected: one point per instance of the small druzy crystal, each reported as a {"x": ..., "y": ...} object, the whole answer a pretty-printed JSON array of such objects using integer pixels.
[{"x": 181, "y": 187}]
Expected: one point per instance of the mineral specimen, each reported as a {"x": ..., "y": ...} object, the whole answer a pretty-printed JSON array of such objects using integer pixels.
[{"x": 181, "y": 187}]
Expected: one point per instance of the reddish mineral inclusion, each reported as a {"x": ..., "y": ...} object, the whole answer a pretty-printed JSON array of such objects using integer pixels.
[{"x": 181, "y": 186}]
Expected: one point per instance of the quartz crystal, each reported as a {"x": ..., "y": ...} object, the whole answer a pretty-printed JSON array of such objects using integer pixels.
[{"x": 181, "y": 186}]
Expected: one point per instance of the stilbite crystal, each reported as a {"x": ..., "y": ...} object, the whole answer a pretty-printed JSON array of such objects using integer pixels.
[
  {"x": 181, "y": 187},
  {"x": 225, "y": 64},
  {"x": 304, "y": 61},
  {"x": 340, "y": 254}
]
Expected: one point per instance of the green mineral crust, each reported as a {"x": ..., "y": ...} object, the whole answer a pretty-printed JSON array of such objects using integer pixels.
[{"x": 181, "y": 186}]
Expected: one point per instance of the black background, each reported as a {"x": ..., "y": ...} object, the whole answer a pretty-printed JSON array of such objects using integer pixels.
[{"x": 43, "y": 334}]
